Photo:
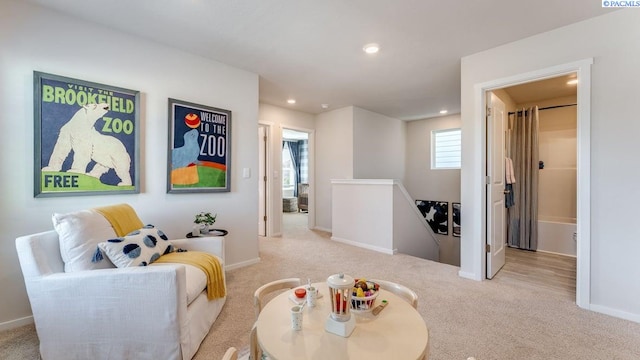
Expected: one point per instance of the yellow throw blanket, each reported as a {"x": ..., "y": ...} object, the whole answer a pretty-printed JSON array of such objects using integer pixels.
[
  {"x": 207, "y": 263},
  {"x": 122, "y": 218}
]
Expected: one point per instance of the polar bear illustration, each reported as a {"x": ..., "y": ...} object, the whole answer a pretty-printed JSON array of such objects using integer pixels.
[{"x": 79, "y": 135}]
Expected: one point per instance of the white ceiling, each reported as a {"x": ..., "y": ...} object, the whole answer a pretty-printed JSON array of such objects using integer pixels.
[{"x": 312, "y": 50}]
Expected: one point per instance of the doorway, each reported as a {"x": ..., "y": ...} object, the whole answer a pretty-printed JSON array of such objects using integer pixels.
[
  {"x": 582, "y": 71},
  {"x": 295, "y": 180},
  {"x": 553, "y": 212}
]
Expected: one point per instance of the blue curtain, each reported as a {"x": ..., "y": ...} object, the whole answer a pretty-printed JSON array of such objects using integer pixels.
[
  {"x": 303, "y": 146},
  {"x": 294, "y": 151}
]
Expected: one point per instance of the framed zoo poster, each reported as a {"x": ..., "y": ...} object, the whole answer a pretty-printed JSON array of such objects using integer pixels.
[
  {"x": 199, "y": 148},
  {"x": 86, "y": 137}
]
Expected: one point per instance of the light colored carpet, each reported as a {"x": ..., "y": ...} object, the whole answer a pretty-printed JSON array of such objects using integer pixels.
[{"x": 487, "y": 320}]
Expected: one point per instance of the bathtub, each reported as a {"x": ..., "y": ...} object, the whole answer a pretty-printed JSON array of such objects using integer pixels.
[{"x": 557, "y": 235}]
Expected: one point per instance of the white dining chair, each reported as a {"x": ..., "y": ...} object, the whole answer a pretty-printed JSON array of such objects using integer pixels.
[
  {"x": 404, "y": 292},
  {"x": 231, "y": 354},
  {"x": 255, "y": 353},
  {"x": 261, "y": 293}
]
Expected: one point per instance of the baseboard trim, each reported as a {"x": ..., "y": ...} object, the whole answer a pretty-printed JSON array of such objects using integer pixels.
[
  {"x": 556, "y": 253},
  {"x": 468, "y": 275},
  {"x": 364, "y": 246},
  {"x": 12, "y": 324},
  {"x": 241, "y": 264},
  {"x": 615, "y": 313},
  {"x": 322, "y": 229}
]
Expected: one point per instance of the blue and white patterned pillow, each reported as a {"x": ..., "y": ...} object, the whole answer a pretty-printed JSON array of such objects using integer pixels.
[{"x": 138, "y": 248}]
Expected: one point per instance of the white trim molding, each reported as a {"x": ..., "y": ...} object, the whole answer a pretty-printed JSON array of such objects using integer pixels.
[
  {"x": 614, "y": 312},
  {"x": 12, "y": 324},
  {"x": 241, "y": 264},
  {"x": 583, "y": 70},
  {"x": 365, "y": 181},
  {"x": 365, "y": 246}
]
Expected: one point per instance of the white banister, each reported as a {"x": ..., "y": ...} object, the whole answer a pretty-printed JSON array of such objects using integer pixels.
[{"x": 379, "y": 214}]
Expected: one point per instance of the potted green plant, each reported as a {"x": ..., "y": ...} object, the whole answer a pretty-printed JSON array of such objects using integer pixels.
[{"x": 205, "y": 220}]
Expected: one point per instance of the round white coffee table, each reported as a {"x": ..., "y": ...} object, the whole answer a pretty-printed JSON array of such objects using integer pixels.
[{"x": 398, "y": 332}]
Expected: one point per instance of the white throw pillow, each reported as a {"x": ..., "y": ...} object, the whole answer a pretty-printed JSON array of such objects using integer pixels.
[
  {"x": 79, "y": 233},
  {"x": 138, "y": 248}
]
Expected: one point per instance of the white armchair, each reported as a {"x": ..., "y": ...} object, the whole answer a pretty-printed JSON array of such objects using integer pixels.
[{"x": 116, "y": 313}]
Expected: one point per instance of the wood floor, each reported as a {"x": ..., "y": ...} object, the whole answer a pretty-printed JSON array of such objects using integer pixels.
[{"x": 552, "y": 272}]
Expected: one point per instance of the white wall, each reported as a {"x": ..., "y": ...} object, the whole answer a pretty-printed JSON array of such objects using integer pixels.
[
  {"x": 509, "y": 104},
  {"x": 363, "y": 213},
  {"x": 37, "y": 39},
  {"x": 557, "y": 145},
  {"x": 612, "y": 42},
  {"x": 378, "y": 146},
  {"x": 411, "y": 233},
  {"x": 334, "y": 158},
  {"x": 379, "y": 214},
  {"x": 279, "y": 118},
  {"x": 423, "y": 183},
  {"x": 355, "y": 143}
]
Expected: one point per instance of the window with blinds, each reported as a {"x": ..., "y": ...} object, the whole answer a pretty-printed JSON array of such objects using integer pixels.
[{"x": 446, "y": 149}]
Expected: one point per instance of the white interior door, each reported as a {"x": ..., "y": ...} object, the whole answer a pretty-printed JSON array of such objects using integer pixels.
[
  {"x": 496, "y": 219},
  {"x": 262, "y": 181}
]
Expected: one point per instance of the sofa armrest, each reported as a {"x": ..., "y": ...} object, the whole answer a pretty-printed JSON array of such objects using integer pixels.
[
  {"x": 95, "y": 306},
  {"x": 210, "y": 244},
  {"x": 39, "y": 254}
]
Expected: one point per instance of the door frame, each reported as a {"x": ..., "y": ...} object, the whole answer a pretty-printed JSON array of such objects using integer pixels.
[
  {"x": 582, "y": 69},
  {"x": 311, "y": 219},
  {"x": 268, "y": 169}
]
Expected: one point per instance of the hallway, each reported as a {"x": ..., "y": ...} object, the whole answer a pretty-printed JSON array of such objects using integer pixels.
[{"x": 294, "y": 224}]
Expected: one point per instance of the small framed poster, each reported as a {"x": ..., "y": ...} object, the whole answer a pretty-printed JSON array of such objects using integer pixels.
[
  {"x": 436, "y": 213},
  {"x": 455, "y": 229},
  {"x": 199, "y": 148},
  {"x": 85, "y": 138}
]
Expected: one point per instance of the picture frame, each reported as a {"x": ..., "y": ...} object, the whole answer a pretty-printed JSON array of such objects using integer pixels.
[
  {"x": 199, "y": 156},
  {"x": 436, "y": 213},
  {"x": 86, "y": 137},
  {"x": 455, "y": 224}
]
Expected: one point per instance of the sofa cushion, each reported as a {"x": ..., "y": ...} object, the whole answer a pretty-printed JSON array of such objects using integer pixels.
[
  {"x": 79, "y": 233},
  {"x": 196, "y": 280},
  {"x": 138, "y": 248}
]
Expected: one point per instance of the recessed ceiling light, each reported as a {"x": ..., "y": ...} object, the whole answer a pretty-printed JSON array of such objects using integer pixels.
[
  {"x": 324, "y": 106},
  {"x": 291, "y": 101},
  {"x": 572, "y": 82},
  {"x": 371, "y": 48},
  {"x": 443, "y": 111}
]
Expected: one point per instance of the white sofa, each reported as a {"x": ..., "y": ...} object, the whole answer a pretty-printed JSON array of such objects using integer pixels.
[{"x": 117, "y": 313}]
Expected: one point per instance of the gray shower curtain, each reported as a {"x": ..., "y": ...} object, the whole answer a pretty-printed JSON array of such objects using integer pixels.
[{"x": 523, "y": 150}]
